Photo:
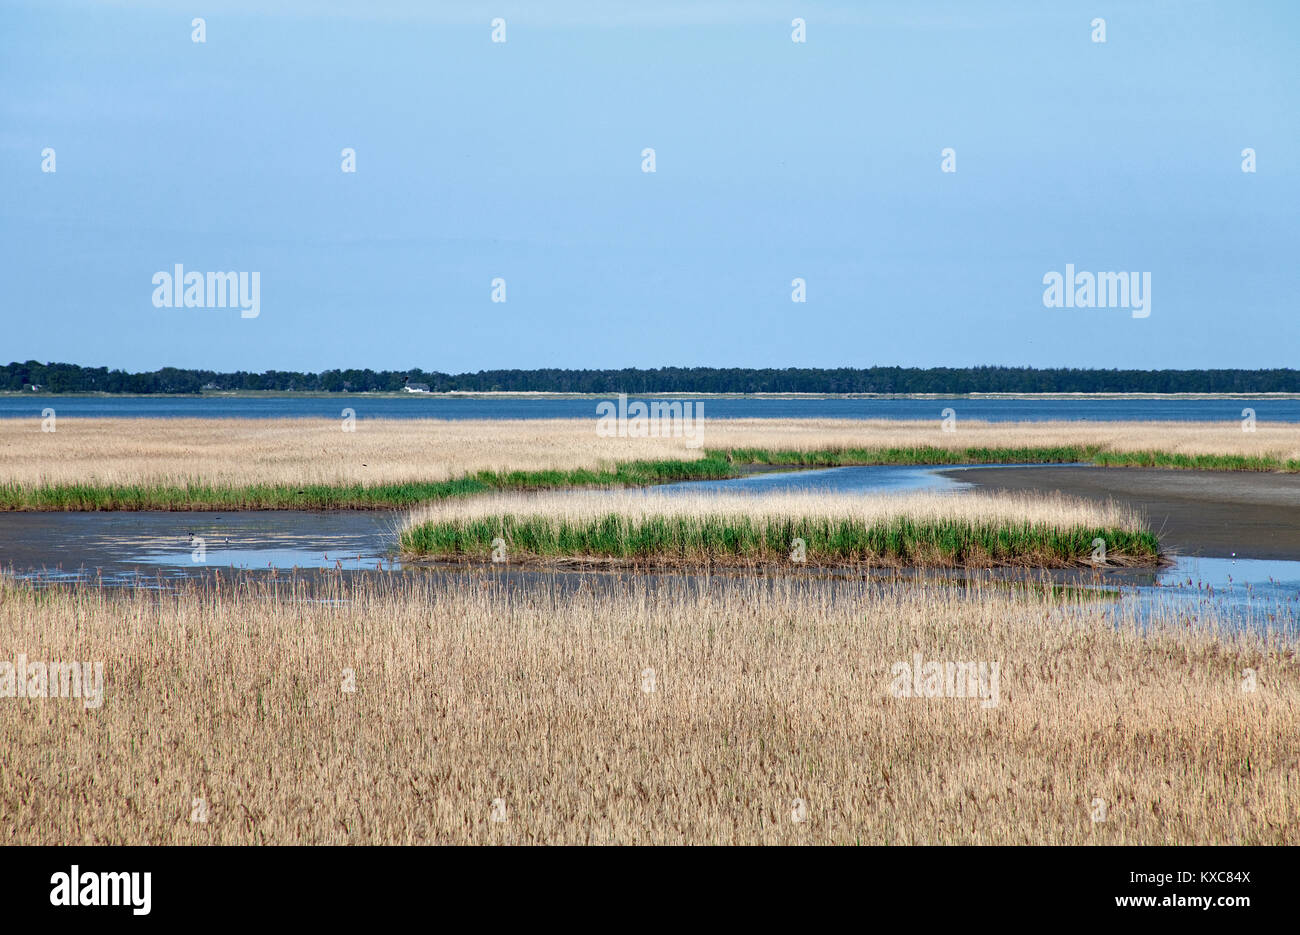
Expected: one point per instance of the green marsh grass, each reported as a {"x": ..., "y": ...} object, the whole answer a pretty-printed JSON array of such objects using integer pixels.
[
  {"x": 696, "y": 540},
  {"x": 834, "y": 530}
]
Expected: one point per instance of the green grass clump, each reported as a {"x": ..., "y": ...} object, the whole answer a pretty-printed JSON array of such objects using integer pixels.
[{"x": 697, "y": 539}]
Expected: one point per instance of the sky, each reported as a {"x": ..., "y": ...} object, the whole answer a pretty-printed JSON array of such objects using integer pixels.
[{"x": 774, "y": 160}]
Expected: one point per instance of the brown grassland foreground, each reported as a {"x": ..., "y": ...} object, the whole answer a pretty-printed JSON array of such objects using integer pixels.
[
  {"x": 765, "y": 691},
  {"x": 318, "y": 451}
]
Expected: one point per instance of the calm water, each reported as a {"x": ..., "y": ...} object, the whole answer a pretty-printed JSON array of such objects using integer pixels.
[
  {"x": 1262, "y": 595},
  {"x": 410, "y": 407},
  {"x": 152, "y": 548},
  {"x": 875, "y": 478}
]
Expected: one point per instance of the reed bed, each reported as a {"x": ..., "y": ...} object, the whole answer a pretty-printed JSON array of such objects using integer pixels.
[
  {"x": 226, "y": 464},
  {"x": 1275, "y": 442},
  {"x": 785, "y": 528},
  {"x": 318, "y": 451},
  {"x": 297, "y": 452},
  {"x": 717, "y": 713},
  {"x": 206, "y": 497}
]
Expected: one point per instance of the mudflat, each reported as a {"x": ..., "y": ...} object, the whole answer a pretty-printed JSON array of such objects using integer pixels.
[{"x": 1208, "y": 513}]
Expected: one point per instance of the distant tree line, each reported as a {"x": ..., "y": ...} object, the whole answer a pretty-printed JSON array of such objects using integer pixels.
[{"x": 70, "y": 378}]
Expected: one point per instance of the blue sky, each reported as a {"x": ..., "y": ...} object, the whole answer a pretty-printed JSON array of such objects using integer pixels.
[{"x": 775, "y": 160}]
